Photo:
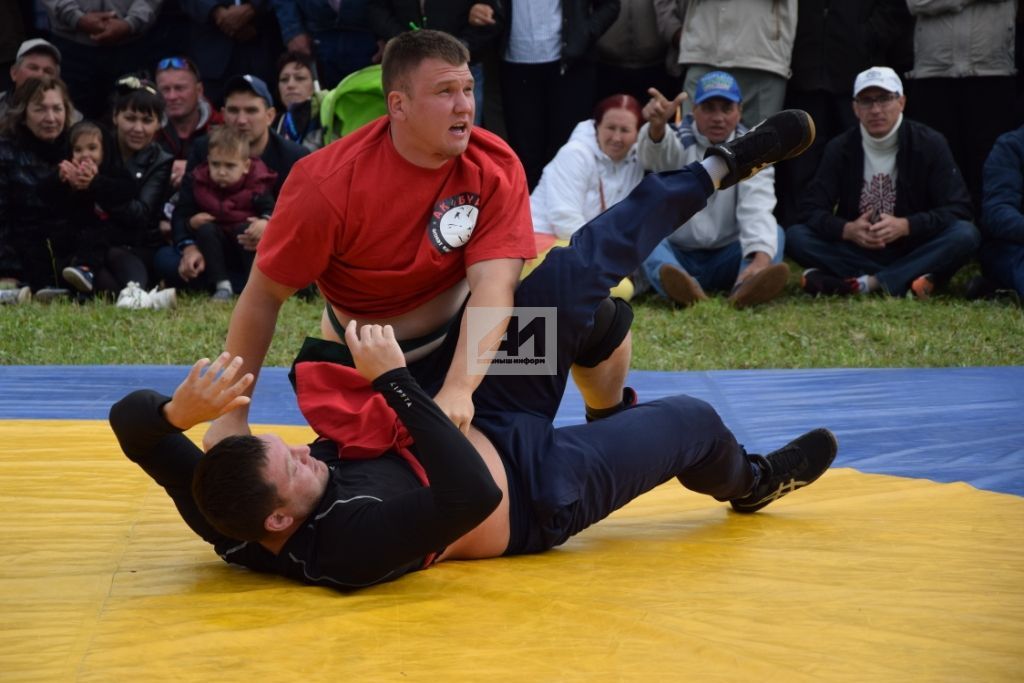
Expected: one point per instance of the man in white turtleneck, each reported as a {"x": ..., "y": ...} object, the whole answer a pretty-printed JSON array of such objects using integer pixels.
[
  {"x": 888, "y": 209},
  {"x": 734, "y": 244}
]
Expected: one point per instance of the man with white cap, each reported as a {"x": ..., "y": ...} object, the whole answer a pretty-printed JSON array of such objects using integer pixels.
[
  {"x": 888, "y": 209},
  {"x": 733, "y": 244}
]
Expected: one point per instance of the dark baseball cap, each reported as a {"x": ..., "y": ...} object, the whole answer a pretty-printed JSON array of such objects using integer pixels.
[{"x": 249, "y": 83}]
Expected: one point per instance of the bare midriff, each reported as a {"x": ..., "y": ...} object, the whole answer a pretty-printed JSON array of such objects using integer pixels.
[{"x": 420, "y": 321}]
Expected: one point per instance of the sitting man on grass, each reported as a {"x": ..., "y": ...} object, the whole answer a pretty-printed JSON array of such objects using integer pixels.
[
  {"x": 888, "y": 210},
  {"x": 394, "y": 486}
]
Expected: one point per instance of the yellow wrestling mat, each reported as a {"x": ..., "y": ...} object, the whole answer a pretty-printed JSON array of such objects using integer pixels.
[{"x": 859, "y": 577}]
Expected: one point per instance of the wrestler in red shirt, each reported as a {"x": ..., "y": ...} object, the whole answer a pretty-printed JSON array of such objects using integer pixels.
[{"x": 398, "y": 224}]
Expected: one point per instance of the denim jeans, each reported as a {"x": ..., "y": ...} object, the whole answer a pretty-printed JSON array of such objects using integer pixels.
[
  {"x": 715, "y": 269},
  {"x": 897, "y": 265}
]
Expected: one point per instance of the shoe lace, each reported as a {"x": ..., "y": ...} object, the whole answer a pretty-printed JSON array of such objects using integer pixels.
[{"x": 786, "y": 459}]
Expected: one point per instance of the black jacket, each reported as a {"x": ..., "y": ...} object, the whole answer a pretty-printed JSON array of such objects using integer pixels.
[
  {"x": 388, "y": 18},
  {"x": 134, "y": 197},
  {"x": 279, "y": 155},
  {"x": 930, "y": 192},
  {"x": 32, "y": 197},
  {"x": 837, "y": 39}
]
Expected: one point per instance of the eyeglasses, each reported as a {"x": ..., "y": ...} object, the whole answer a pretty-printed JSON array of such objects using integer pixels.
[
  {"x": 183, "y": 63},
  {"x": 135, "y": 83},
  {"x": 882, "y": 101}
]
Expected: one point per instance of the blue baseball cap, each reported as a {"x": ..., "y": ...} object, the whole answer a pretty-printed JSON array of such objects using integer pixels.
[
  {"x": 248, "y": 83},
  {"x": 717, "y": 84}
]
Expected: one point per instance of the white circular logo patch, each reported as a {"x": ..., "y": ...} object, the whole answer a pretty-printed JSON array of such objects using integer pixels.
[{"x": 453, "y": 220}]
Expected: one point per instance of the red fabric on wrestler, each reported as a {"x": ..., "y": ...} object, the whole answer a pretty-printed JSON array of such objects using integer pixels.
[{"x": 340, "y": 405}]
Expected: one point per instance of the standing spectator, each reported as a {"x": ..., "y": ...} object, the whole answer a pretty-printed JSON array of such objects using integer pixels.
[
  {"x": 231, "y": 37},
  {"x": 887, "y": 210},
  {"x": 97, "y": 38},
  {"x": 36, "y": 241},
  {"x": 1002, "y": 219},
  {"x": 592, "y": 172},
  {"x": 336, "y": 32},
  {"x": 835, "y": 40},
  {"x": 476, "y": 23},
  {"x": 732, "y": 245},
  {"x": 131, "y": 194},
  {"x": 963, "y": 57},
  {"x": 188, "y": 113},
  {"x": 751, "y": 39},
  {"x": 249, "y": 109},
  {"x": 631, "y": 54},
  {"x": 549, "y": 73},
  {"x": 301, "y": 97}
]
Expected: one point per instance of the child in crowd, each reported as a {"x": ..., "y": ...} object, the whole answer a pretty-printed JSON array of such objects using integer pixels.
[
  {"x": 92, "y": 153},
  {"x": 231, "y": 191}
]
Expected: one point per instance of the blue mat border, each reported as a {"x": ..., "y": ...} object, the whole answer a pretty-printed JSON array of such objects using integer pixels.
[{"x": 944, "y": 424}]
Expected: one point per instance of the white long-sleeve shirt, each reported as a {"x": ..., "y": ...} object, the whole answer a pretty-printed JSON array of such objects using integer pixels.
[{"x": 743, "y": 211}]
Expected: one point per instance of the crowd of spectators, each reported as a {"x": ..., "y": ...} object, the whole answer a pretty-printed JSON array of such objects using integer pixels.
[{"x": 143, "y": 142}]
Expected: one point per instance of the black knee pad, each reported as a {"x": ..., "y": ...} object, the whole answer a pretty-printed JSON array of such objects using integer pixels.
[{"x": 611, "y": 324}]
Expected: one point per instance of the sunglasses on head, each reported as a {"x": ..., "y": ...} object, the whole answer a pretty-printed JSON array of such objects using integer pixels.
[
  {"x": 183, "y": 63},
  {"x": 135, "y": 83}
]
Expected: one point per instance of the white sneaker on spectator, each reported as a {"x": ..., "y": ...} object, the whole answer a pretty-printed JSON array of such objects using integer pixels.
[
  {"x": 15, "y": 296},
  {"x": 134, "y": 297},
  {"x": 48, "y": 294},
  {"x": 164, "y": 298}
]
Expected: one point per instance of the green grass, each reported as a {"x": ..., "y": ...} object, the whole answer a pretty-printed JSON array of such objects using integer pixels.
[{"x": 793, "y": 332}]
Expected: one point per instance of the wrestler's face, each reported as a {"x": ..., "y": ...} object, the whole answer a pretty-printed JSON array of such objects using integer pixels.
[
  {"x": 300, "y": 479},
  {"x": 432, "y": 112}
]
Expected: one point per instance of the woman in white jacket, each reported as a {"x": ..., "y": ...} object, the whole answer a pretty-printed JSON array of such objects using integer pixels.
[{"x": 594, "y": 170}]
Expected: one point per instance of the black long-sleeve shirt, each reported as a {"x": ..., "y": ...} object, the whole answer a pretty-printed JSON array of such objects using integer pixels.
[{"x": 375, "y": 521}]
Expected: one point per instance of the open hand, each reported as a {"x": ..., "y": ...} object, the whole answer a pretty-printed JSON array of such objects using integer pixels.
[{"x": 208, "y": 395}]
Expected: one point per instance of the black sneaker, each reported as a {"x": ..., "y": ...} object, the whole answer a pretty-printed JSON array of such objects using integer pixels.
[
  {"x": 780, "y": 136},
  {"x": 795, "y": 465},
  {"x": 79, "y": 277},
  {"x": 815, "y": 282}
]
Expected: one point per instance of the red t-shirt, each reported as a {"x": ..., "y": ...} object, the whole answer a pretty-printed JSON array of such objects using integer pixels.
[{"x": 381, "y": 236}]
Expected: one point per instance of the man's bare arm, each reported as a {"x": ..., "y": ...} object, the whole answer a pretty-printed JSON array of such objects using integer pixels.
[
  {"x": 249, "y": 334},
  {"x": 492, "y": 283}
]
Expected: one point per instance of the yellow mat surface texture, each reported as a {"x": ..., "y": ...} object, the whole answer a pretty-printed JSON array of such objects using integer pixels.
[{"x": 859, "y": 577}]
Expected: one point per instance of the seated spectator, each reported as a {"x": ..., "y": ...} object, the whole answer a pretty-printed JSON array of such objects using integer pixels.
[
  {"x": 734, "y": 244},
  {"x": 128, "y": 188},
  {"x": 596, "y": 169},
  {"x": 478, "y": 24},
  {"x": 35, "y": 58},
  {"x": 189, "y": 114},
  {"x": 888, "y": 209},
  {"x": 231, "y": 191},
  {"x": 36, "y": 241},
  {"x": 249, "y": 109},
  {"x": 301, "y": 96},
  {"x": 1002, "y": 218}
]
